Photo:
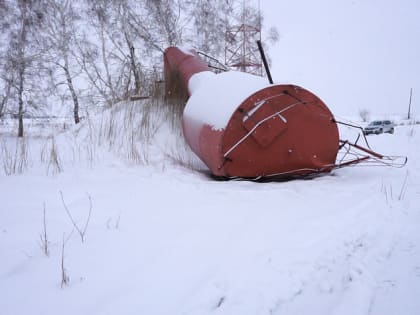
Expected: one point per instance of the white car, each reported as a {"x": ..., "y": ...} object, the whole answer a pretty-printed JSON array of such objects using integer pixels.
[{"x": 379, "y": 126}]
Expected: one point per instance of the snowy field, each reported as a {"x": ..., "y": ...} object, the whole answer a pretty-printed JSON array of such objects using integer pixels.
[{"x": 147, "y": 233}]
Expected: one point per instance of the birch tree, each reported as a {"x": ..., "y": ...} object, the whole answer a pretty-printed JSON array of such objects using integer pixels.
[
  {"x": 59, "y": 38},
  {"x": 22, "y": 21}
]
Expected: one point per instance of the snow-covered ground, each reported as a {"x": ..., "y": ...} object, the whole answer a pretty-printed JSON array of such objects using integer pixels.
[{"x": 164, "y": 238}]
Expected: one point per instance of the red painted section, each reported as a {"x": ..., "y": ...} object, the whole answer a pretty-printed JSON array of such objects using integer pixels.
[
  {"x": 181, "y": 65},
  {"x": 281, "y": 131},
  {"x": 205, "y": 142}
]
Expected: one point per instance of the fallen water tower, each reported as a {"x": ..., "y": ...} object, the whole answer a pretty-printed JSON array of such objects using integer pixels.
[{"x": 239, "y": 125}]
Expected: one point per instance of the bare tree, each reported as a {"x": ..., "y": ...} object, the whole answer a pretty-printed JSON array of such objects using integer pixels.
[
  {"x": 127, "y": 34},
  {"x": 5, "y": 97},
  {"x": 121, "y": 21},
  {"x": 210, "y": 19},
  {"x": 59, "y": 38},
  {"x": 94, "y": 51},
  {"x": 164, "y": 17},
  {"x": 152, "y": 26},
  {"x": 119, "y": 43},
  {"x": 109, "y": 45},
  {"x": 23, "y": 19}
]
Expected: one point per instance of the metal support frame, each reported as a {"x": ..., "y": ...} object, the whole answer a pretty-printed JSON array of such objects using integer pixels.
[{"x": 241, "y": 53}]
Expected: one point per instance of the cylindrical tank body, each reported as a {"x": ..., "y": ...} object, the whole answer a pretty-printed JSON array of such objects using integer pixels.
[{"x": 240, "y": 126}]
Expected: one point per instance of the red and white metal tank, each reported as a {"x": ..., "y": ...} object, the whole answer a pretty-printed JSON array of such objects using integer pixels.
[{"x": 240, "y": 126}]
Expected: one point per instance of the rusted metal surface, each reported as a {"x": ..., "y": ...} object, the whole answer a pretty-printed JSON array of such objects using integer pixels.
[
  {"x": 279, "y": 131},
  {"x": 370, "y": 152}
]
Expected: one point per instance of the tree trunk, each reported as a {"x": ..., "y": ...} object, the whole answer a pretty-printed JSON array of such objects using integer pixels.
[
  {"x": 135, "y": 71},
  {"x": 133, "y": 63},
  {"x": 20, "y": 110},
  {"x": 21, "y": 65},
  {"x": 5, "y": 99},
  {"x": 105, "y": 64},
  {"x": 72, "y": 92}
]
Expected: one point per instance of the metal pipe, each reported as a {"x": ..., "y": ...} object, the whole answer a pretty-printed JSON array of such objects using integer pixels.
[{"x": 267, "y": 69}]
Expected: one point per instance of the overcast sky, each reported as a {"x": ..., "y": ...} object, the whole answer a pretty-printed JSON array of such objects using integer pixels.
[{"x": 360, "y": 54}]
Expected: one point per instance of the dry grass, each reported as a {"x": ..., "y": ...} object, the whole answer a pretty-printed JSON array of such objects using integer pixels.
[
  {"x": 14, "y": 157},
  {"x": 51, "y": 157}
]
